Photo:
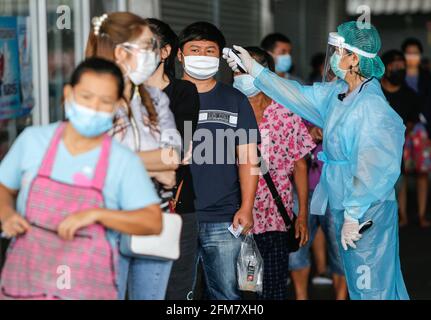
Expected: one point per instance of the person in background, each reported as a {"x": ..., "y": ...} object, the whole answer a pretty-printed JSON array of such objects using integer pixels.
[
  {"x": 417, "y": 148},
  {"x": 223, "y": 169},
  {"x": 280, "y": 48},
  {"x": 288, "y": 143},
  {"x": 426, "y": 64},
  {"x": 75, "y": 189},
  {"x": 317, "y": 66},
  {"x": 184, "y": 104},
  {"x": 145, "y": 124},
  {"x": 418, "y": 78},
  {"x": 299, "y": 262}
]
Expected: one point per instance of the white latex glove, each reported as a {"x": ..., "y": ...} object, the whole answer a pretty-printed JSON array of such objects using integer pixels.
[
  {"x": 245, "y": 57},
  {"x": 350, "y": 232}
]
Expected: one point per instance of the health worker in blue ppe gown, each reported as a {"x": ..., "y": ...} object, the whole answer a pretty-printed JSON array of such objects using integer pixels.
[{"x": 362, "y": 148}]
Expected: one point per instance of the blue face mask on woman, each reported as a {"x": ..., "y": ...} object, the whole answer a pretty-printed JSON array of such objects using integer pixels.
[
  {"x": 335, "y": 66},
  {"x": 244, "y": 83},
  {"x": 88, "y": 122},
  {"x": 283, "y": 63}
]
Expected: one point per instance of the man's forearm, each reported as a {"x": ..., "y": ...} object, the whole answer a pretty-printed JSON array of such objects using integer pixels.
[
  {"x": 248, "y": 183},
  {"x": 301, "y": 184}
]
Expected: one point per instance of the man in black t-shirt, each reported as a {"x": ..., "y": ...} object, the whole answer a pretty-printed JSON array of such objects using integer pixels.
[
  {"x": 224, "y": 165},
  {"x": 407, "y": 103}
]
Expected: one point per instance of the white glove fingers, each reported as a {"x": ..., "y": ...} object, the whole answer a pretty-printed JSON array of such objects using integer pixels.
[
  {"x": 343, "y": 243},
  {"x": 351, "y": 243}
]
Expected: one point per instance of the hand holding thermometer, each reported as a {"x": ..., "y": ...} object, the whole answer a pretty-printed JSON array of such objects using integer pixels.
[
  {"x": 365, "y": 226},
  {"x": 234, "y": 54},
  {"x": 4, "y": 235}
]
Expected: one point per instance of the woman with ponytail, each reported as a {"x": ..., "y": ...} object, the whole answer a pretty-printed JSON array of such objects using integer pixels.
[{"x": 145, "y": 124}]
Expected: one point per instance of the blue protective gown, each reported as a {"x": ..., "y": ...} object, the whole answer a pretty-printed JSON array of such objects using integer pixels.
[{"x": 362, "y": 150}]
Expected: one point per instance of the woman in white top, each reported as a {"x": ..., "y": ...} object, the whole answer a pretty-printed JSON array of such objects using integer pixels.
[{"x": 146, "y": 125}]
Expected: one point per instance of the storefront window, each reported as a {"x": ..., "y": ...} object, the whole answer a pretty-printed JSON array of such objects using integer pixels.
[
  {"x": 61, "y": 52},
  {"x": 99, "y": 7},
  {"x": 16, "y": 82},
  {"x": 63, "y": 44}
]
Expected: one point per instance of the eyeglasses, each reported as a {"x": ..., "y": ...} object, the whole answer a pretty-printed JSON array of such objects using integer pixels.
[{"x": 143, "y": 45}]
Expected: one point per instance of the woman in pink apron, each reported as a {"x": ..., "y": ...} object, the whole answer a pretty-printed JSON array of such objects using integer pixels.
[{"x": 64, "y": 244}]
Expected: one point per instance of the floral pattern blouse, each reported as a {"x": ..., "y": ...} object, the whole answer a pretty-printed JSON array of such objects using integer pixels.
[{"x": 285, "y": 140}]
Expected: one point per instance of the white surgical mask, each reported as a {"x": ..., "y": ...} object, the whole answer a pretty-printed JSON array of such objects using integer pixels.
[
  {"x": 146, "y": 63},
  {"x": 201, "y": 67}
]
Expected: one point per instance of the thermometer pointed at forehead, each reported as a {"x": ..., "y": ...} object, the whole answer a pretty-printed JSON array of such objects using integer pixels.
[{"x": 232, "y": 53}]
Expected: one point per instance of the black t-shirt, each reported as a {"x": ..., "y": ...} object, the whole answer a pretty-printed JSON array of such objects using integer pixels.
[
  {"x": 224, "y": 110},
  {"x": 405, "y": 102},
  {"x": 184, "y": 104}
]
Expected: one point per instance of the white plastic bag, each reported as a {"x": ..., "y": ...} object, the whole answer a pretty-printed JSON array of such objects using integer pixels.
[{"x": 250, "y": 266}]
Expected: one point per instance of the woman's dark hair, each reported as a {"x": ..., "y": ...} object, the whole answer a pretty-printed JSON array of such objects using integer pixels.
[
  {"x": 412, "y": 42},
  {"x": 261, "y": 56},
  {"x": 202, "y": 31},
  {"x": 268, "y": 43},
  {"x": 166, "y": 36},
  {"x": 99, "y": 66},
  {"x": 391, "y": 56}
]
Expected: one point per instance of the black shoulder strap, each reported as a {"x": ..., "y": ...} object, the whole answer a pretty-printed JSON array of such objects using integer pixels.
[{"x": 275, "y": 195}]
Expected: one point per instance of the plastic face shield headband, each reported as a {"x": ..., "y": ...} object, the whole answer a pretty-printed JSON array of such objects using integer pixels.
[{"x": 337, "y": 45}]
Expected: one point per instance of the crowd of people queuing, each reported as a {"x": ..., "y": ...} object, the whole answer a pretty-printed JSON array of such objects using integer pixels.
[{"x": 135, "y": 141}]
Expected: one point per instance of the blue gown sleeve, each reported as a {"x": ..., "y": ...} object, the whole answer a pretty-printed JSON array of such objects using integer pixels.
[
  {"x": 376, "y": 153},
  {"x": 309, "y": 102}
]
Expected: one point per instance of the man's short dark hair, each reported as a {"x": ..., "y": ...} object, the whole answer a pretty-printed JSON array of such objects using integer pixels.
[
  {"x": 202, "y": 31},
  {"x": 412, "y": 42},
  {"x": 268, "y": 43},
  {"x": 391, "y": 56}
]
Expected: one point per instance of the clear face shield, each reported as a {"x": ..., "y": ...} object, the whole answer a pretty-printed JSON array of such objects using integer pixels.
[{"x": 335, "y": 51}]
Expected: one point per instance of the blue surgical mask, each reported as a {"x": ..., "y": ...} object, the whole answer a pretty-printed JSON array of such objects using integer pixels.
[
  {"x": 88, "y": 122},
  {"x": 335, "y": 66},
  {"x": 283, "y": 63},
  {"x": 244, "y": 83}
]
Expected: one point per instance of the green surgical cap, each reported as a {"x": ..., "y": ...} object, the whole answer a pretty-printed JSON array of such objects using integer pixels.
[{"x": 365, "y": 37}]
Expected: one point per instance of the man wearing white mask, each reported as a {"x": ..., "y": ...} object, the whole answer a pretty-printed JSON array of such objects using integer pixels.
[
  {"x": 222, "y": 168},
  {"x": 280, "y": 48}
]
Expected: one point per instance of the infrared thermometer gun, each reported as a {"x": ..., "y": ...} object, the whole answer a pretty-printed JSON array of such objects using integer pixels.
[
  {"x": 365, "y": 226},
  {"x": 232, "y": 53}
]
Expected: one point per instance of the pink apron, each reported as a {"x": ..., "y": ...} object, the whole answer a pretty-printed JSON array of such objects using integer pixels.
[{"x": 39, "y": 264}]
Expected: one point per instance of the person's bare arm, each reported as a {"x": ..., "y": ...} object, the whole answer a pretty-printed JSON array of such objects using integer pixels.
[
  {"x": 146, "y": 221},
  {"x": 300, "y": 175},
  {"x": 248, "y": 176},
  {"x": 12, "y": 223},
  {"x": 166, "y": 159},
  {"x": 166, "y": 178}
]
